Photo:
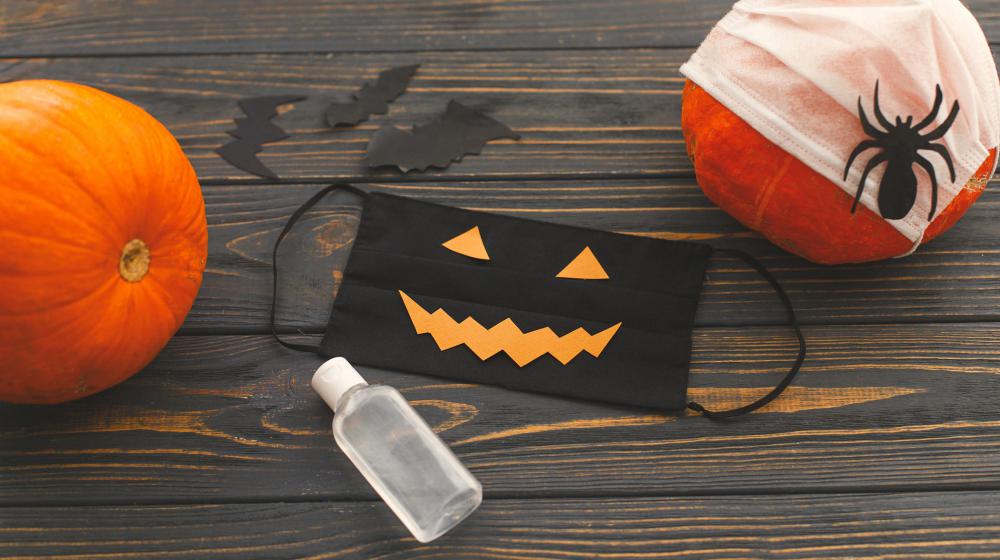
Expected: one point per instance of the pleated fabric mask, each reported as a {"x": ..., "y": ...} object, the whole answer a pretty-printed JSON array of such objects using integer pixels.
[
  {"x": 532, "y": 306},
  {"x": 914, "y": 79}
]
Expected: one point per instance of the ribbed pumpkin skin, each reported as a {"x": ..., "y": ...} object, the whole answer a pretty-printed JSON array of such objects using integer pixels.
[
  {"x": 83, "y": 174},
  {"x": 797, "y": 209}
]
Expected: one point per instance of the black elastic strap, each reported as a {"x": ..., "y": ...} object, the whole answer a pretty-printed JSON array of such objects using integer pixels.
[
  {"x": 792, "y": 321},
  {"x": 274, "y": 258}
]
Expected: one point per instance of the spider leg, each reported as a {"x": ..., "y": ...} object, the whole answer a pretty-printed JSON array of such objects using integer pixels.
[
  {"x": 866, "y": 125},
  {"x": 941, "y": 130},
  {"x": 938, "y": 98},
  {"x": 922, "y": 162},
  {"x": 876, "y": 159},
  {"x": 867, "y": 144},
  {"x": 878, "y": 112},
  {"x": 943, "y": 152}
]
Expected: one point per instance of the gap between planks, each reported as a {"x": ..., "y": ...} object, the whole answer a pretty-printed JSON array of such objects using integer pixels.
[
  {"x": 452, "y": 178},
  {"x": 890, "y": 490}
]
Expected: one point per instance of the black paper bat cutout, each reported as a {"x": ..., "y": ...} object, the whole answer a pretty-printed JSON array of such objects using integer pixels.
[
  {"x": 447, "y": 138},
  {"x": 253, "y": 130},
  {"x": 371, "y": 99}
]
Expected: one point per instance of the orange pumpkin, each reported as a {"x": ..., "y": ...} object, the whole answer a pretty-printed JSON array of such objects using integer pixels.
[
  {"x": 796, "y": 208},
  {"x": 103, "y": 237}
]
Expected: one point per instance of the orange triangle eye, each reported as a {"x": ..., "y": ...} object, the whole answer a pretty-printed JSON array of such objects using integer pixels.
[
  {"x": 584, "y": 267},
  {"x": 469, "y": 244}
]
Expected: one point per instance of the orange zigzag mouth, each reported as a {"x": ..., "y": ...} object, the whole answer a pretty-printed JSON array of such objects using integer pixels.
[{"x": 522, "y": 347}]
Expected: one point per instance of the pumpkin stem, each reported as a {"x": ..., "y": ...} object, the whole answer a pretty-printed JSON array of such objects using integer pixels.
[{"x": 134, "y": 263}]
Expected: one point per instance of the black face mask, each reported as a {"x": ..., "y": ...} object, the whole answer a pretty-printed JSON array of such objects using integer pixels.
[{"x": 532, "y": 306}]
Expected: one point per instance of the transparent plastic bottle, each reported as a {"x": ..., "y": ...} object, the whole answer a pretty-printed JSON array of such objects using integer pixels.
[{"x": 409, "y": 466}]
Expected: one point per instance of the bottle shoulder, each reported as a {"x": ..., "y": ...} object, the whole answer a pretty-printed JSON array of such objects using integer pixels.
[{"x": 360, "y": 395}]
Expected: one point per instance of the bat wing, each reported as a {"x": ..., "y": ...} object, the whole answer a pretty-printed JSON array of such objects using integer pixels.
[
  {"x": 253, "y": 130},
  {"x": 243, "y": 155},
  {"x": 449, "y": 137},
  {"x": 371, "y": 99},
  {"x": 392, "y": 82},
  {"x": 257, "y": 132},
  {"x": 266, "y": 108},
  {"x": 345, "y": 113},
  {"x": 391, "y": 146}
]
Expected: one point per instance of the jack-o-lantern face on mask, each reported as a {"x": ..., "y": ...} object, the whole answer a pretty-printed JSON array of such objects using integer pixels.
[
  {"x": 505, "y": 336},
  {"x": 500, "y": 300}
]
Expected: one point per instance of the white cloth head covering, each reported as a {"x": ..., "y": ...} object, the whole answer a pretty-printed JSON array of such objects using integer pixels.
[{"x": 795, "y": 69}]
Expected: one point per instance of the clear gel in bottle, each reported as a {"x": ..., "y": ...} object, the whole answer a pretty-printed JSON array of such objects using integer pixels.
[{"x": 409, "y": 466}]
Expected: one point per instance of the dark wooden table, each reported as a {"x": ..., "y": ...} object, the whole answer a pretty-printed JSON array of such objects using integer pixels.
[{"x": 888, "y": 445}]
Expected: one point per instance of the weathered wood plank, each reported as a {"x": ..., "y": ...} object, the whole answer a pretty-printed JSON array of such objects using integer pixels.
[
  {"x": 32, "y": 28},
  {"x": 911, "y": 526},
  {"x": 875, "y": 408},
  {"x": 579, "y": 112},
  {"x": 232, "y": 26},
  {"x": 952, "y": 279}
]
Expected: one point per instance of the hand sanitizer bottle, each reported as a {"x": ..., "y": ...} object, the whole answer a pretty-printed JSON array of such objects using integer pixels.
[{"x": 409, "y": 466}]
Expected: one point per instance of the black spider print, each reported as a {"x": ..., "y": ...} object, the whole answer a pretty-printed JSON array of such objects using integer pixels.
[{"x": 900, "y": 144}]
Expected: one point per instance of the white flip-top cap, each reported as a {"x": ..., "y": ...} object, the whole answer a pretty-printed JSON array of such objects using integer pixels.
[{"x": 334, "y": 378}]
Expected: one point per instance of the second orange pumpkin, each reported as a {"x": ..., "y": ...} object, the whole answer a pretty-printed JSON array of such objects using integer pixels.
[{"x": 796, "y": 208}]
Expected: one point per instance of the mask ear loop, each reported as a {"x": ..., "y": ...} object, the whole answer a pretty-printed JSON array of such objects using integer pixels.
[
  {"x": 306, "y": 206},
  {"x": 792, "y": 321}
]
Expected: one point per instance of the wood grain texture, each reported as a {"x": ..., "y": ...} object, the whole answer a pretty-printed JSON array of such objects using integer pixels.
[
  {"x": 230, "y": 26},
  {"x": 106, "y": 27},
  {"x": 606, "y": 113},
  {"x": 952, "y": 279},
  {"x": 613, "y": 112},
  {"x": 875, "y": 408},
  {"x": 899, "y": 526},
  {"x": 229, "y": 449}
]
